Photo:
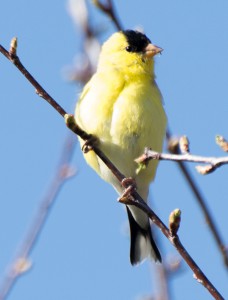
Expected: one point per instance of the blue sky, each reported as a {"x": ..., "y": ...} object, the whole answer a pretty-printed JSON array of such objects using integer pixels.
[{"x": 83, "y": 250}]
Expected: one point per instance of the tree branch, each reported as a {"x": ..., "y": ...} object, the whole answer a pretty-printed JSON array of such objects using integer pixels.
[{"x": 134, "y": 198}]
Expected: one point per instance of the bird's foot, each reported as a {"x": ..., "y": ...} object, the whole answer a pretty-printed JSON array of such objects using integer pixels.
[
  {"x": 130, "y": 186},
  {"x": 89, "y": 144}
]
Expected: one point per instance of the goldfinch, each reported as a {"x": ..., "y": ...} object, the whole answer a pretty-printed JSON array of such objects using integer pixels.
[{"x": 122, "y": 106}]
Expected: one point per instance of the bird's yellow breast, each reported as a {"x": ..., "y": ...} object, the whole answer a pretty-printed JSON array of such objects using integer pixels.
[{"x": 127, "y": 116}]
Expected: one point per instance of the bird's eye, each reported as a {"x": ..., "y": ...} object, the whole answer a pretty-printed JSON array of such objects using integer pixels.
[{"x": 129, "y": 49}]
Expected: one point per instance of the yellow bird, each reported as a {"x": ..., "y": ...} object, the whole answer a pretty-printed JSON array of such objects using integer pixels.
[{"x": 122, "y": 106}]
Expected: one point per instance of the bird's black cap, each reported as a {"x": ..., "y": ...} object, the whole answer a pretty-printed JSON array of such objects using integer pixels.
[{"x": 137, "y": 41}]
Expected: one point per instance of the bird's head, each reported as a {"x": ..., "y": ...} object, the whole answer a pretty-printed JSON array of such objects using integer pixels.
[{"x": 130, "y": 52}]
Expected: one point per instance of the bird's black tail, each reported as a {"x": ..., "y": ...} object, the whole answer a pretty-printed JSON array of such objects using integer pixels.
[{"x": 142, "y": 243}]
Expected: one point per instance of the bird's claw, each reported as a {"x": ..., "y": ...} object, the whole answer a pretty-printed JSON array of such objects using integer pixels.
[{"x": 89, "y": 144}]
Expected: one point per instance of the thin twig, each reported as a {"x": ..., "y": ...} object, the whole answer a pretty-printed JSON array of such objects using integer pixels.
[
  {"x": 214, "y": 162},
  {"x": 21, "y": 261},
  {"x": 135, "y": 198}
]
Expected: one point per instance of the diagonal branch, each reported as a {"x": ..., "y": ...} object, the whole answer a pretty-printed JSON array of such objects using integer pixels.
[{"x": 135, "y": 198}]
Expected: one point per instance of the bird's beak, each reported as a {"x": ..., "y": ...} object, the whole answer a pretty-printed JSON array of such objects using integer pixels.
[{"x": 151, "y": 50}]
